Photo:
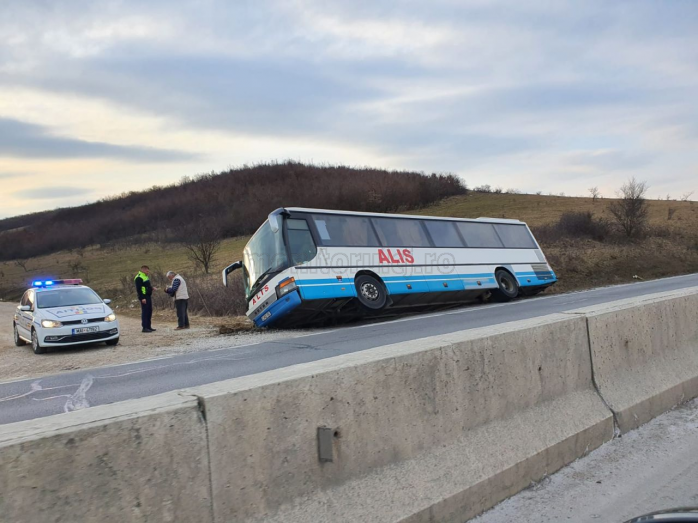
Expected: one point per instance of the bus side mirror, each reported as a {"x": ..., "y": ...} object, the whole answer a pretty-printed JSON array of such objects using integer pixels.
[
  {"x": 274, "y": 221},
  {"x": 230, "y": 268}
]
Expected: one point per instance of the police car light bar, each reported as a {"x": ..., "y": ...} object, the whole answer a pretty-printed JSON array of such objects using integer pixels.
[{"x": 49, "y": 283}]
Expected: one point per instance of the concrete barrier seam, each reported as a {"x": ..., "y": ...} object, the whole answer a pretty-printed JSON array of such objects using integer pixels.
[{"x": 616, "y": 426}]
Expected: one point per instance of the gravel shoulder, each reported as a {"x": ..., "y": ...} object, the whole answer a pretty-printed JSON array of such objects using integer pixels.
[{"x": 21, "y": 362}]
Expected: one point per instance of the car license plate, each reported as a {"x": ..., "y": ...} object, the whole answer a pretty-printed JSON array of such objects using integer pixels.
[
  {"x": 266, "y": 316},
  {"x": 84, "y": 330}
]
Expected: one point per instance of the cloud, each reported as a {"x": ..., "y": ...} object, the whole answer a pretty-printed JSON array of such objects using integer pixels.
[
  {"x": 610, "y": 160},
  {"x": 488, "y": 88},
  {"x": 52, "y": 193},
  {"x": 5, "y": 175},
  {"x": 25, "y": 140}
]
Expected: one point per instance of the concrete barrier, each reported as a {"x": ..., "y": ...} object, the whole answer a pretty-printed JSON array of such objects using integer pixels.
[
  {"x": 143, "y": 460},
  {"x": 437, "y": 429},
  {"x": 645, "y": 354}
]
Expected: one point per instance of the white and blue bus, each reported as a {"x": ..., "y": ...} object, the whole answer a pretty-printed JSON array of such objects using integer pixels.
[{"x": 306, "y": 266}]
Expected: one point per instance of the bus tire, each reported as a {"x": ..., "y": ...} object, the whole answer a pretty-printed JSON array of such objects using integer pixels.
[
  {"x": 507, "y": 286},
  {"x": 370, "y": 292}
]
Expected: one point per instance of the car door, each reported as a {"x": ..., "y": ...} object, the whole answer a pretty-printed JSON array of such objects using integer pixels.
[{"x": 24, "y": 318}]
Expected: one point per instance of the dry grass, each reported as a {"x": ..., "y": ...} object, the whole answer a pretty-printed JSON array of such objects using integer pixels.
[
  {"x": 671, "y": 249},
  {"x": 579, "y": 263},
  {"x": 542, "y": 210},
  {"x": 107, "y": 265}
]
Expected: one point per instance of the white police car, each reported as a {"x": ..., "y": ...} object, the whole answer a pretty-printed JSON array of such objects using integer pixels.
[{"x": 61, "y": 313}]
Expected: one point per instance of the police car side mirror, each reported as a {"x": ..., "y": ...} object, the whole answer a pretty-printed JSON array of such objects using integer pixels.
[
  {"x": 25, "y": 308},
  {"x": 107, "y": 301}
]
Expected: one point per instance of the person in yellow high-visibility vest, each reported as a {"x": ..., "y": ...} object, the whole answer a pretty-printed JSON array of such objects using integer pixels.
[{"x": 144, "y": 290}]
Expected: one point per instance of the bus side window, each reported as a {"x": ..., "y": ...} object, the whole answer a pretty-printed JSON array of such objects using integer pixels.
[
  {"x": 480, "y": 235},
  {"x": 396, "y": 232},
  {"x": 344, "y": 231},
  {"x": 515, "y": 236},
  {"x": 300, "y": 241},
  {"x": 444, "y": 234}
]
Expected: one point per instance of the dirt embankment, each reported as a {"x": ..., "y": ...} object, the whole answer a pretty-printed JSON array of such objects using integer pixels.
[{"x": 21, "y": 362}]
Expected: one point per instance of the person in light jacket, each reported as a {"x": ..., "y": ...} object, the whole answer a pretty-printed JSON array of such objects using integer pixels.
[{"x": 178, "y": 290}]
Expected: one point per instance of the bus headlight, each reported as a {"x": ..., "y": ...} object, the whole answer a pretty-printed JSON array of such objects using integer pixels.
[
  {"x": 111, "y": 317},
  {"x": 50, "y": 324},
  {"x": 286, "y": 286}
]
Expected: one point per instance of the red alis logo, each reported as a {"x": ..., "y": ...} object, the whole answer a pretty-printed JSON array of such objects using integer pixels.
[
  {"x": 260, "y": 294},
  {"x": 395, "y": 256}
]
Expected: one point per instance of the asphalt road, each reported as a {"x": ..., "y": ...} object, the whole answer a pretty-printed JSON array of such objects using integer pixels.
[
  {"x": 649, "y": 469},
  {"x": 34, "y": 398}
]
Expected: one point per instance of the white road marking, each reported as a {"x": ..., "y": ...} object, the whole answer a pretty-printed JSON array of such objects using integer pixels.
[{"x": 78, "y": 400}]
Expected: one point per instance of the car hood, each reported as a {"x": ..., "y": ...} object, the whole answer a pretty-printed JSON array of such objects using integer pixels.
[{"x": 76, "y": 312}]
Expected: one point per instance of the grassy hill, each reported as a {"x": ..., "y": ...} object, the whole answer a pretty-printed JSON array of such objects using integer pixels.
[{"x": 670, "y": 248}]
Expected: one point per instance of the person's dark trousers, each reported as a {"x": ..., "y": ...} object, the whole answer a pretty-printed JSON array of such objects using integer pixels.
[
  {"x": 147, "y": 313},
  {"x": 182, "y": 314}
]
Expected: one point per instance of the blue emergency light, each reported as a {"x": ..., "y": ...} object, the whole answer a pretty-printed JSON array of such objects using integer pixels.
[{"x": 48, "y": 283}]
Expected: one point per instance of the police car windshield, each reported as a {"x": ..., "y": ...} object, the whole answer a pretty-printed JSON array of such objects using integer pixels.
[
  {"x": 66, "y": 298},
  {"x": 263, "y": 254}
]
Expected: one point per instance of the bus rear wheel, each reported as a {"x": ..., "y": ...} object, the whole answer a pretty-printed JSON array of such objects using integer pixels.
[
  {"x": 371, "y": 292},
  {"x": 507, "y": 286}
]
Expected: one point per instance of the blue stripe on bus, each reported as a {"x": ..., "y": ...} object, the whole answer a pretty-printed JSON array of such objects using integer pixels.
[{"x": 423, "y": 283}]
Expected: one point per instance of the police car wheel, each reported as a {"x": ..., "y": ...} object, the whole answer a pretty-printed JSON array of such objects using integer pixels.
[
  {"x": 38, "y": 349},
  {"x": 19, "y": 342},
  {"x": 508, "y": 287},
  {"x": 370, "y": 292}
]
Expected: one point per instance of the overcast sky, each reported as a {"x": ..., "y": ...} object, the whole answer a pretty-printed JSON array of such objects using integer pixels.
[{"x": 97, "y": 98}]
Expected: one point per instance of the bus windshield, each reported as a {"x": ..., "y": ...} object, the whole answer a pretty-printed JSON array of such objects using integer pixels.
[{"x": 263, "y": 254}]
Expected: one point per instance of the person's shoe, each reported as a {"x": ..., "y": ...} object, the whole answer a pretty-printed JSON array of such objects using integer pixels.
[
  {"x": 152, "y": 330},
  {"x": 187, "y": 327},
  {"x": 147, "y": 330},
  {"x": 179, "y": 328}
]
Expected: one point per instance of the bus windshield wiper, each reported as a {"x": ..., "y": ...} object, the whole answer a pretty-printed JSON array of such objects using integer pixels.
[{"x": 258, "y": 282}]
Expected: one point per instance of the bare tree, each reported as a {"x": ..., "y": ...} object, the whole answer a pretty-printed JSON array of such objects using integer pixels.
[
  {"x": 630, "y": 210},
  {"x": 23, "y": 264},
  {"x": 686, "y": 196},
  {"x": 202, "y": 242},
  {"x": 595, "y": 193}
]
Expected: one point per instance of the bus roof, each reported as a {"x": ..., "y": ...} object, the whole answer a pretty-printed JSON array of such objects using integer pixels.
[{"x": 420, "y": 217}]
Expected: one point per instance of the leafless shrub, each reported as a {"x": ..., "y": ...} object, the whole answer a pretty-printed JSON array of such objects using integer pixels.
[
  {"x": 630, "y": 210},
  {"x": 23, "y": 264},
  {"x": 498, "y": 190},
  {"x": 686, "y": 196},
  {"x": 483, "y": 188},
  {"x": 595, "y": 193},
  {"x": 575, "y": 225},
  {"x": 202, "y": 242}
]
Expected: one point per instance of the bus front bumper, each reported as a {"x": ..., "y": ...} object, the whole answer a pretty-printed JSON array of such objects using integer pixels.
[{"x": 278, "y": 309}]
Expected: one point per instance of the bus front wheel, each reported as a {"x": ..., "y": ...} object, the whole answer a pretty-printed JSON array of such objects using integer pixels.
[
  {"x": 371, "y": 292},
  {"x": 507, "y": 286}
]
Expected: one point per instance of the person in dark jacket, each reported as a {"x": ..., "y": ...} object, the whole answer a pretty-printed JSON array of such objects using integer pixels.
[{"x": 144, "y": 290}]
